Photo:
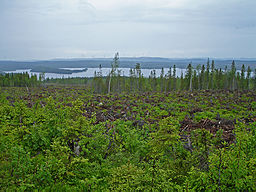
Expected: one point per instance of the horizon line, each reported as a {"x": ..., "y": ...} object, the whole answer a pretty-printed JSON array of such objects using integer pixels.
[{"x": 127, "y": 57}]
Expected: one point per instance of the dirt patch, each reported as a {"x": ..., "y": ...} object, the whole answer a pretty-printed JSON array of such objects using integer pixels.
[{"x": 187, "y": 125}]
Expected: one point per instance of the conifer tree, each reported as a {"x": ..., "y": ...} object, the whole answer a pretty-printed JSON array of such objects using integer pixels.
[
  {"x": 188, "y": 77},
  {"x": 181, "y": 82},
  {"x": 154, "y": 80},
  {"x": 254, "y": 79},
  {"x": 174, "y": 78},
  {"x": 138, "y": 75},
  {"x": 132, "y": 79},
  {"x": 202, "y": 79},
  {"x": 226, "y": 78},
  {"x": 169, "y": 79},
  {"x": 114, "y": 66},
  {"x": 198, "y": 68},
  {"x": 248, "y": 75},
  {"x": 212, "y": 74},
  {"x": 194, "y": 80},
  {"x": 242, "y": 79},
  {"x": 162, "y": 80},
  {"x": 233, "y": 75},
  {"x": 207, "y": 73},
  {"x": 219, "y": 80},
  {"x": 238, "y": 81}
]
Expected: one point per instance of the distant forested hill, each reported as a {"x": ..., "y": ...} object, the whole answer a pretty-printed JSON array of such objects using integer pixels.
[{"x": 125, "y": 62}]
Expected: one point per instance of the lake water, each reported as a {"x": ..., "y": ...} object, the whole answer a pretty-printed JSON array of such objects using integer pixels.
[
  {"x": 90, "y": 72},
  {"x": 105, "y": 71}
]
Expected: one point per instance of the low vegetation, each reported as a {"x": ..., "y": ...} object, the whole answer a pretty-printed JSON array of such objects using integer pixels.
[{"x": 69, "y": 139}]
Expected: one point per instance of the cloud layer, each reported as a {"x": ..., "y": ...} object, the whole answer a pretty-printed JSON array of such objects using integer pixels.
[{"x": 96, "y": 28}]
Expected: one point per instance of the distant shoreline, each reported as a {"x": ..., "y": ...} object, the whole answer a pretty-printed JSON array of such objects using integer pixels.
[{"x": 146, "y": 63}]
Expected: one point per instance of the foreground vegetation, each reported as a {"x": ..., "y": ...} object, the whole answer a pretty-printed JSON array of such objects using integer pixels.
[{"x": 68, "y": 139}]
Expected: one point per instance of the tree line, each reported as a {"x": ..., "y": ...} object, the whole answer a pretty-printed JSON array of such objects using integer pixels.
[
  {"x": 205, "y": 77},
  {"x": 20, "y": 80}
]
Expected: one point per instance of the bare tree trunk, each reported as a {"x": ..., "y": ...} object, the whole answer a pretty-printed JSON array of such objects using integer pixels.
[
  {"x": 233, "y": 84},
  {"x": 190, "y": 83},
  {"x": 109, "y": 83}
]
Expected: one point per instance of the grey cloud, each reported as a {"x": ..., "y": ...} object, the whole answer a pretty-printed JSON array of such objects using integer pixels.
[{"x": 53, "y": 29}]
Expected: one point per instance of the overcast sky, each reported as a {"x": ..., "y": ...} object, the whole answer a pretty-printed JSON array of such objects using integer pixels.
[{"x": 46, "y": 29}]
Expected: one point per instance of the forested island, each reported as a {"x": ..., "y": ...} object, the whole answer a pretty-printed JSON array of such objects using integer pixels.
[{"x": 42, "y": 69}]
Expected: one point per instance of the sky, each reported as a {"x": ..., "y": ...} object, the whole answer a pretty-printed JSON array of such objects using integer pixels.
[{"x": 49, "y": 29}]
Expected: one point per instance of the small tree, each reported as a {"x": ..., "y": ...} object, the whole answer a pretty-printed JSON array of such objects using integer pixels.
[
  {"x": 233, "y": 75},
  {"x": 254, "y": 79},
  {"x": 181, "y": 81},
  {"x": 189, "y": 74},
  {"x": 198, "y": 68},
  {"x": 162, "y": 80},
  {"x": 202, "y": 78},
  {"x": 114, "y": 66},
  {"x": 169, "y": 81},
  {"x": 248, "y": 77},
  {"x": 212, "y": 74},
  {"x": 138, "y": 75},
  {"x": 242, "y": 77},
  {"x": 174, "y": 77},
  {"x": 207, "y": 73}
]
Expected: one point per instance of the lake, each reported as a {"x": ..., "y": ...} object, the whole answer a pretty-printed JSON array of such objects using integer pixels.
[
  {"x": 90, "y": 72},
  {"x": 105, "y": 71}
]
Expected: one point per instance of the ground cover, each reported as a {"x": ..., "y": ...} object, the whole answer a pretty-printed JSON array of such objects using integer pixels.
[{"x": 66, "y": 138}]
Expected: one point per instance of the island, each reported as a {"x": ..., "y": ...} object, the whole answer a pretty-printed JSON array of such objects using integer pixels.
[{"x": 43, "y": 69}]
